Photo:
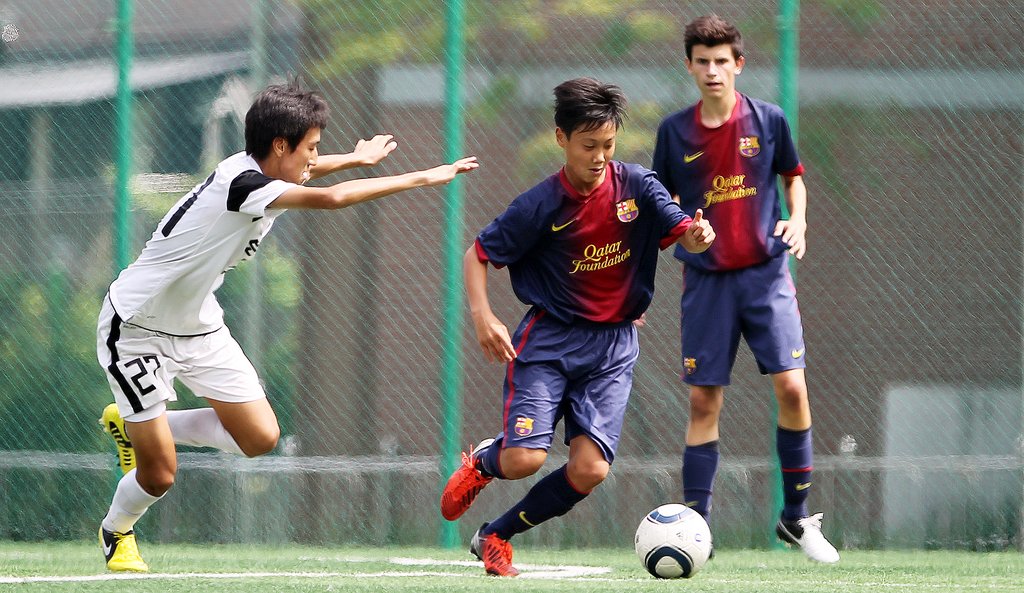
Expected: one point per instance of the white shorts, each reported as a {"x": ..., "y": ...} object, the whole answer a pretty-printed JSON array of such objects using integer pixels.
[{"x": 141, "y": 366}]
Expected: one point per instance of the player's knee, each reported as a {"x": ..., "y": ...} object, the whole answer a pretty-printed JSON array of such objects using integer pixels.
[
  {"x": 260, "y": 441},
  {"x": 585, "y": 476},
  {"x": 704, "y": 407},
  {"x": 791, "y": 396},
  {"x": 520, "y": 463},
  {"x": 155, "y": 482}
]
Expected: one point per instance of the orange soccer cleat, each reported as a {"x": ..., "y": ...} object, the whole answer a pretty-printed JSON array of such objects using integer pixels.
[
  {"x": 495, "y": 552},
  {"x": 463, "y": 486}
]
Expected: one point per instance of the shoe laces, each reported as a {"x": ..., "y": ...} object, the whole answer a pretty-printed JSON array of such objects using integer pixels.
[
  {"x": 497, "y": 553},
  {"x": 812, "y": 522},
  {"x": 126, "y": 544},
  {"x": 476, "y": 476}
]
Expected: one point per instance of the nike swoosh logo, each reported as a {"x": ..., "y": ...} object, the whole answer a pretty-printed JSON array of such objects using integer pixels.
[
  {"x": 106, "y": 549},
  {"x": 797, "y": 353},
  {"x": 803, "y": 486},
  {"x": 522, "y": 515},
  {"x": 689, "y": 158},
  {"x": 555, "y": 229}
]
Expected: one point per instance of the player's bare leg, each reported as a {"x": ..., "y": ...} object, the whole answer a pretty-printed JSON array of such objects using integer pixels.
[
  {"x": 519, "y": 462},
  {"x": 587, "y": 466},
  {"x": 705, "y": 408},
  {"x": 791, "y": 393},
  {"x": 157, "y": 461},
  {"x": 253, "y": 425}
]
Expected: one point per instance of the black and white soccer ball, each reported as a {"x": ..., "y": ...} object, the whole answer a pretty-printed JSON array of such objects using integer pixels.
[{"x": 673, "y": 541}]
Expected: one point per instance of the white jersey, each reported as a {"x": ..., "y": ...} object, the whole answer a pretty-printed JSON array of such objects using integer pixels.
[{"x": 170, "y": 287}]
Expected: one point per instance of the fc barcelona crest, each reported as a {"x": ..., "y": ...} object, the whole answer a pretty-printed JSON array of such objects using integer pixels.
[
  {"x": 749, "y": 146},
  {"x": 690, "y": 364},
  {"x": 524, "y": 426},
  {"x": 626, "y": 210}
]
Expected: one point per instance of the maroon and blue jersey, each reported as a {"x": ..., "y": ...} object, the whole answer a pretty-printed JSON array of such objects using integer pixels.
[
  {"x": 592, "y": 257},
  {"x": 731, "y": 172}
]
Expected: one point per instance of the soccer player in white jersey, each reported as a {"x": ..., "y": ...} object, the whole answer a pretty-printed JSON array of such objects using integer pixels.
[{"x": 160, "y": 320}]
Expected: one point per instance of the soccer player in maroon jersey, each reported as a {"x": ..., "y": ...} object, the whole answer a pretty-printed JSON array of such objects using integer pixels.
[
  {"x": 724, "y": 155},
  {"x": 581, "y": 248}
]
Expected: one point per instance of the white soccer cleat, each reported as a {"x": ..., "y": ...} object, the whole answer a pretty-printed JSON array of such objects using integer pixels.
[{"x": 806, "y": 533}]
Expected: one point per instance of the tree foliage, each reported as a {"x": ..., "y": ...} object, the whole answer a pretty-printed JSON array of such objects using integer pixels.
[{"x": 371, "y": 33}]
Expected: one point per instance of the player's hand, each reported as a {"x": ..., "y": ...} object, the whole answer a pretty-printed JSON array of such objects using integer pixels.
[
  {"x": 494, "y": 339},
  {"x": 700, "y": 235},
  {"x": 640, "y": 321},
  {"x": 372, "y": 151},
  {"x": 794, "y": 234},
  {"x": 445, "y": 173}
]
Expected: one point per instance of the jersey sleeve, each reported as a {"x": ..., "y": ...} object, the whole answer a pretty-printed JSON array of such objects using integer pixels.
[
  {"x": 251, "y": 192},
  {"x": 511, "y": 235},
  {"x": 660, "y": 160},
  {"x": 786, "y": 161},
  {"x": 672, "y": 221}
]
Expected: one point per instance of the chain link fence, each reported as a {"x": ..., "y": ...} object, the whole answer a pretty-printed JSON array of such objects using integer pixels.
[{"x": 911, "y": 119}]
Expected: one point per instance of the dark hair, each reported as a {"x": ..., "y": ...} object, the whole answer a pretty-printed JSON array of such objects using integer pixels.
[
  {"x": 583, "y": 104},
  {"x": 711, "y": 30},
  {"x": 282, "y": 111}
]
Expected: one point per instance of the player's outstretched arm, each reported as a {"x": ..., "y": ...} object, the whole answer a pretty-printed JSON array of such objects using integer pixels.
[
  {"x": 490, "y": 331},
  {"x": 700, "y": 235},
  {"x": 367, "y": 153},
  {"x": 349, "y": 193}
]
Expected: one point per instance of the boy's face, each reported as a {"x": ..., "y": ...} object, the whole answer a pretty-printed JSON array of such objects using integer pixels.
[
  {"x": 295, "y": 164},
  {"x": 587, "y": 154},
  {"x": 714, "y": 69}
]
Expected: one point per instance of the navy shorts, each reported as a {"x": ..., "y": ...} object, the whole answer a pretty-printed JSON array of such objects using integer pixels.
[
  {"x": 758, "y": 303},
  {"x": 580, "y": 372}
]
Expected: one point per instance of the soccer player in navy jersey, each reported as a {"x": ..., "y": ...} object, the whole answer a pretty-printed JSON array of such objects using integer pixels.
[
  {"x": 160, "y": 319},
  {"x": 724, "y": 156},
  {"x": 581, "y": 248}
]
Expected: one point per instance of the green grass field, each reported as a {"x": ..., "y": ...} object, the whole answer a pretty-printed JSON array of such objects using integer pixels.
[{"x": 76, "y": 567}]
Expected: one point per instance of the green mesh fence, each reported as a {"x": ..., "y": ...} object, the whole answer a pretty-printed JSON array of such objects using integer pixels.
[{"x": 911, "y": 121}]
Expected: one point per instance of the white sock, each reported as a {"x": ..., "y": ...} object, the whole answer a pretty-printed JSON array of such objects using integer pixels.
[
  {"x": 201, "y": 428},
  {"x": 130, "y": 502}
]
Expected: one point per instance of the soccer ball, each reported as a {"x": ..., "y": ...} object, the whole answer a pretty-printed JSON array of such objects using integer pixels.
[{"x": 673, "y": 541}]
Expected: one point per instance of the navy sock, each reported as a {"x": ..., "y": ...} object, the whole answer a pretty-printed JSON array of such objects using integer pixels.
[
  {"x": 700, "y": 464},
  {"x": 487, "y": 460},
  {"x": 796, "y": 459},
  {"x": 553, "y": 496}
]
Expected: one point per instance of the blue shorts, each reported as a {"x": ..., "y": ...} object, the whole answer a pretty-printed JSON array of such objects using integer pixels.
[
  {"x": 758, "y": 303},
  {"x": 580, "y": 372}
]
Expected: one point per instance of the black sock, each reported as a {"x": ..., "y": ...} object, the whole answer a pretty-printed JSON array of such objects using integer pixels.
[{"x": 551, "y": 497}]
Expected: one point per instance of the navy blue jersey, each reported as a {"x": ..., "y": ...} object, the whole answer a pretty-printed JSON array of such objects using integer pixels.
[
  {"x": 731, "y": 172},
  {"x": 586, "y": 257}
]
